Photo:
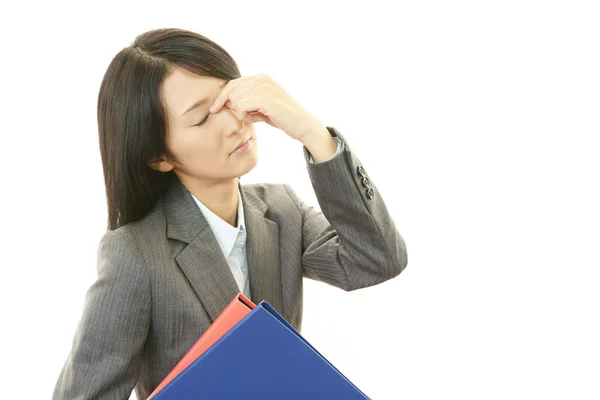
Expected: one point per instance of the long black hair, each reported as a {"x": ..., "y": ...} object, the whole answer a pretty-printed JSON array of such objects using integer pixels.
[{"x": 132, "y": 121}]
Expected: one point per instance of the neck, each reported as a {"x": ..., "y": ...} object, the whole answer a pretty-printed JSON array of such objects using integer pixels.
[{"x": 220, "y": 197}]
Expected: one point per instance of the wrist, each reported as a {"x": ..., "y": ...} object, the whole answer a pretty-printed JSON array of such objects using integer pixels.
[{"x": 320, "y": 144}]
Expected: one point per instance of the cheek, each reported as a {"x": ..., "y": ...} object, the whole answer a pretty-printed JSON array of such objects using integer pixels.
[{"x": 200, "y": 153}]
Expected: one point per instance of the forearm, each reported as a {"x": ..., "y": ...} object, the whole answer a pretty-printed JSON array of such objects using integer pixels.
[{"x": 355, "y": 231}]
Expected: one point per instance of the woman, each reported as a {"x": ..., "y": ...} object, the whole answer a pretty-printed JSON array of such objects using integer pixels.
[{"x": 184, "y": 236}]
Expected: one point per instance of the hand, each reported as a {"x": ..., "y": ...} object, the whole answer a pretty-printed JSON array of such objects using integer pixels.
[{"x": 259, "y": 98}]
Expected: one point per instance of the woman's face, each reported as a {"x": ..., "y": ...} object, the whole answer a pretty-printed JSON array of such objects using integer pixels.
[{"x": 205, "y": 152}]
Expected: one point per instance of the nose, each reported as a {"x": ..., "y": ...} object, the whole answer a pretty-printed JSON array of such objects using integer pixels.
[{"x": 232, "y": 124}]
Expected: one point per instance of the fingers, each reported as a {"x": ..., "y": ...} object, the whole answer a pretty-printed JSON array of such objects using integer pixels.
[
  {"x": 235, "y": 89},
  {"x": 253, "y": 106},
  {"x": 223, "y": 97}
]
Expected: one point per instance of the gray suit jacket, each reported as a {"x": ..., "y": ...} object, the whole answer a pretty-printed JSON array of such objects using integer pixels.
[{"x": 163, "y": 280}]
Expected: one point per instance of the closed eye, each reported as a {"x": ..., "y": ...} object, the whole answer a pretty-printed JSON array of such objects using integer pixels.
[{"x": 203, "y": 121}]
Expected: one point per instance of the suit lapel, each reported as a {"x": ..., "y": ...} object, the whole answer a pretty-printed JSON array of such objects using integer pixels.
[
  {"x": 262, "y": 252},
  {"x": 203, "y": 262}
]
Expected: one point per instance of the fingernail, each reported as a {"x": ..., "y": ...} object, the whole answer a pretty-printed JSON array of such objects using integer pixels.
[{"x": 212, "y": 108}]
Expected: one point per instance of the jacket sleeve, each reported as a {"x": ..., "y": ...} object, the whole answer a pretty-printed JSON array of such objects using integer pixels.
[
  {"x": 353, "y": 242},
  {"x": 104, "y": 359}
]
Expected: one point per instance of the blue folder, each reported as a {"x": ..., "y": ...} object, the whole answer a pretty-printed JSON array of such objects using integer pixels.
[{"x": 262, "y": 357}]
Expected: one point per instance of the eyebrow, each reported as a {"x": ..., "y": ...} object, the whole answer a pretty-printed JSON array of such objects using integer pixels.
[
  {"x": 201, "y": 101},
  {"x": 196, "y": 104}
]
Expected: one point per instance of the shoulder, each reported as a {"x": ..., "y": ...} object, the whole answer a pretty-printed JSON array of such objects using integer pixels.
[
  {"x": 140, "y": 236},
  {"x": 151, "y": 225}
]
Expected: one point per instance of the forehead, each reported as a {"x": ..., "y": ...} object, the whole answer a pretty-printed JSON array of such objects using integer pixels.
[{"x": 183, "y": 88}]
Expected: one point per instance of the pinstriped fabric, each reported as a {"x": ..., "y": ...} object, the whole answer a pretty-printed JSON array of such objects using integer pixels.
[{"x": 163, "y": 280}]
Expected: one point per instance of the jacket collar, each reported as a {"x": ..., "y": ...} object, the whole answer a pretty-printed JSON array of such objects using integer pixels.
[{"x": 203, "y": 262}]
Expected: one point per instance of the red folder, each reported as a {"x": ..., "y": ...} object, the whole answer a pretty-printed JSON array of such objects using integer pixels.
[{"x": 239, "y": 307}]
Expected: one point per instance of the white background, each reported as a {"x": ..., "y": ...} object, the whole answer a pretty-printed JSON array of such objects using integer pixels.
[{"x": 477, "y": 120}]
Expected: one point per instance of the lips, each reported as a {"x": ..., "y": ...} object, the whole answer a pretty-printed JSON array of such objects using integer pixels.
[{"x": 243, "y": 142}]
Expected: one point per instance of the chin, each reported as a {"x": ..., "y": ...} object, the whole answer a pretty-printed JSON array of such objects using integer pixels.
[
  {"x": 249, "y": 165},
  {"x": 242, "y": 166}
]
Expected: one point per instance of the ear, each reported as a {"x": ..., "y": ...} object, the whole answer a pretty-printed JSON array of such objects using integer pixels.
[{"x": 161, "y": 165}]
